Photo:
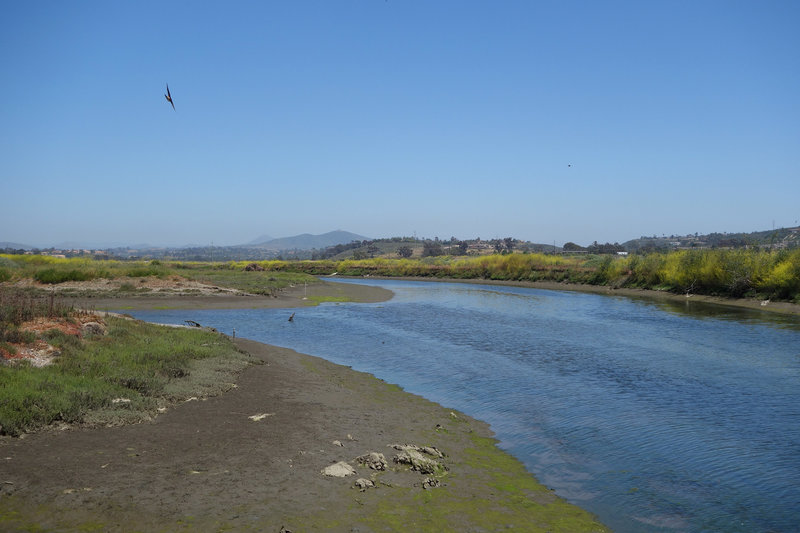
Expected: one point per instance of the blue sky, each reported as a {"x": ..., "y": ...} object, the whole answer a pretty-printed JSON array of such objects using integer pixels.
[{"x": 400, "y": 117}]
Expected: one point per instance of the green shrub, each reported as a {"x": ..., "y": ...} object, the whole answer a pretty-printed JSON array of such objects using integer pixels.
[
  {"x": 645, "y": 270},
  {"x": 7, "y": 347},
  {"x": 143, "y": 272},
  {"x": 54, "y": 276},
  {"x": 783, "y": 278},
  {"x": 11, "y": 333}
]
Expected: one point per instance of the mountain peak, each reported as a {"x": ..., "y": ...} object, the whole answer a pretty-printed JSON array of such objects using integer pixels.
[{"x": 307, "y": 241}]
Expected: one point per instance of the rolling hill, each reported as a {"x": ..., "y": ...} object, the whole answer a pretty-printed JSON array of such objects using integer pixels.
[{"x": 306, "y": 241}]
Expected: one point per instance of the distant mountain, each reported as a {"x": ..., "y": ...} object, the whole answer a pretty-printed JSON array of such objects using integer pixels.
[
  {"x": 307, "y": 241},
  {"x": 15, "y": 246},
  {"x": 260, "y": 240},
  {"x": 96, "y": 245}
]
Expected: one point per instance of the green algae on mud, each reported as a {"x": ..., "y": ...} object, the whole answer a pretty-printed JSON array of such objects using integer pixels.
[
  {"x": 486, "y": 490},
  {"x": 316, "y": 300},
  {"x": 481, "y": 487}
]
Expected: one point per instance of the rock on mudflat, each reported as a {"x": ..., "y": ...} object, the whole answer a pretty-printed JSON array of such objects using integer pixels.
[
  {"x": 363, "y": 484},
  {"x": 430, "y": 483},
  {"x": 417, "y": 461},
  {"x": 93, "y": 329},
  {"x": 340, "y": 469},
  {"x": 7, "y": 487},
  {"x": 420, "y": 459},
  {"x": 374, "y": 460},
  {"x": 430, "y": 450}
]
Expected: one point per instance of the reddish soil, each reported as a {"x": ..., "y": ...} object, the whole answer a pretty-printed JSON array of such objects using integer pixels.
[{"x": 39, "y": 352}]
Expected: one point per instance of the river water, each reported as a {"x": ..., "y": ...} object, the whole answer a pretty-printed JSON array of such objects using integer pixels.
[{"x": 655, "y": 416}]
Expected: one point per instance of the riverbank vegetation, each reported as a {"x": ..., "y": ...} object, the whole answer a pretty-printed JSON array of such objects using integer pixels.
[
  {"x": 120, "y": 370},
  {"x": 725, "y": 273}
]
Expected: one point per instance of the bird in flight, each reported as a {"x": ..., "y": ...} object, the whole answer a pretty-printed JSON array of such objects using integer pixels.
[{"x": 169, "y": 98}]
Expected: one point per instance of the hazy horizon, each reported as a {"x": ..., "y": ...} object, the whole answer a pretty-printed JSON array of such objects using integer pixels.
[
  {"x": 76, "y": 244},
  {"x": 543, "y": 121}
]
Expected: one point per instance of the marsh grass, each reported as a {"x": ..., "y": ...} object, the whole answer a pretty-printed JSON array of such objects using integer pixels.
[
  {"x": 53, "y": 271},
  {"x": 725, "y": 273},
  {"x": 142, "y": 364},
  {"x": 235, "y": 277}
]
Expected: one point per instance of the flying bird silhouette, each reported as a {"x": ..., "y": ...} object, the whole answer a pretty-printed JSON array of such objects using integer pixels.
[{"x": 169, "y": 98}]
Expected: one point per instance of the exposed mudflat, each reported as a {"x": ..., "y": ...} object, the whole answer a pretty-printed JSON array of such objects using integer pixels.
[
  {"x": 255, "y": 458},
  {"x": 175, "y": 296}
]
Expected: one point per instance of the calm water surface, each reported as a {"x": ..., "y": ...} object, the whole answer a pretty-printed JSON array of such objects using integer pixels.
[{"x": 655, "y": 416}]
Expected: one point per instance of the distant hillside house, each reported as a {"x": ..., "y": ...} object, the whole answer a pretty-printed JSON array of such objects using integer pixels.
[{"x": 480, "y": 247}]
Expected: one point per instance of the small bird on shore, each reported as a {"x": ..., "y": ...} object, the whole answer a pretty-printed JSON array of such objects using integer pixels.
[{"x": 168, "y": 96}]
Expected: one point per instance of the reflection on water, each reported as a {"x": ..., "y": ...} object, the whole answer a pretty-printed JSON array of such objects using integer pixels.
[
  {"x": 710, "y": 311},
  {"x": 655, "y": 415}
]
